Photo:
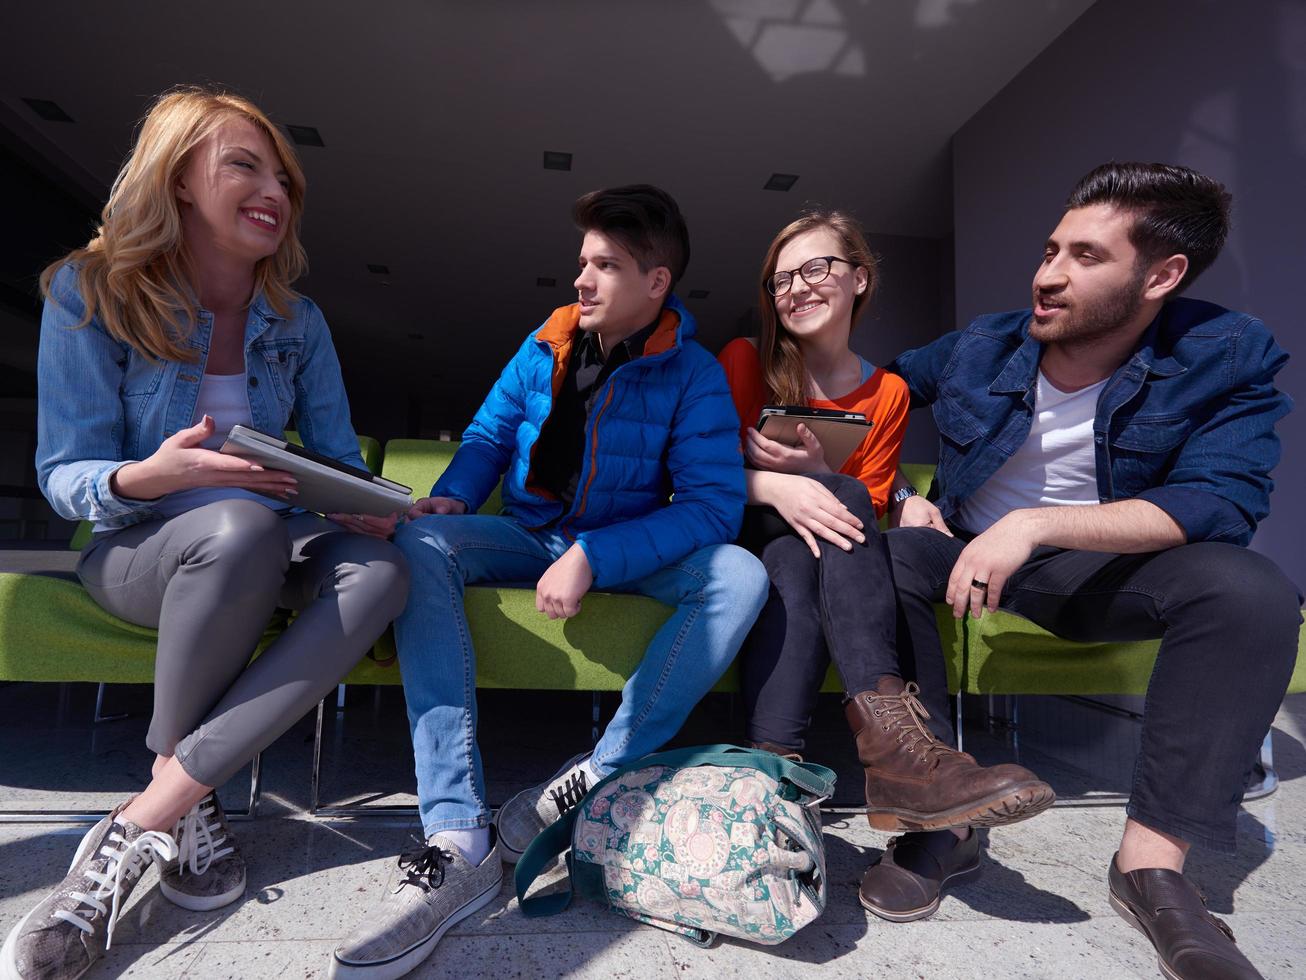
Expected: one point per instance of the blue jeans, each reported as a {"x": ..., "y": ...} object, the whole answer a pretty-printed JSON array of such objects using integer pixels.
[{"x": 717, "y": 592}]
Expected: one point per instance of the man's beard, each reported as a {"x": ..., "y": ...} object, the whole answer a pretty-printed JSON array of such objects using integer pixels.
[{"x": 1084, "y": 323}]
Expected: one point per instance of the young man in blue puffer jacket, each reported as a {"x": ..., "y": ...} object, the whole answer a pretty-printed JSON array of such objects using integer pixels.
[{"x": 617, "y": 442}]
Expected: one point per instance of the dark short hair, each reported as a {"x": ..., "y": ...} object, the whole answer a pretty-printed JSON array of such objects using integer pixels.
[
  {"x": 1177, "y": 210},
  {"x": 646, "y": 221}
]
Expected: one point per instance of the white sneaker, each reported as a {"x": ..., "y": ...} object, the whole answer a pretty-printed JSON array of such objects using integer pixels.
[
  {"x": 522, "y": 818},
  {"x": 209, "y": 871},
  {"x": 431, "y": 889},
  {"x": 72, "y": 927}
]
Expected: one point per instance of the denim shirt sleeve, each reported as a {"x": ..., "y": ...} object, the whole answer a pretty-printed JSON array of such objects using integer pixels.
[
  {"x": 321, "y": 405},
  {"x": 487, "y": 444},
  {"x": 923, "y": 367},
  {"x": 1219, "y": 486},
  {"x": 80, "y": 415}
]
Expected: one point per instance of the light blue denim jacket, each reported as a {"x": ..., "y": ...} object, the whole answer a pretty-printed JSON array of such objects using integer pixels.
[{"x": 102, "y": 404}]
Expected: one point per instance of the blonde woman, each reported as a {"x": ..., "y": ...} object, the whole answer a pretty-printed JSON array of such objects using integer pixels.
[{"x": 175, "y": 322}]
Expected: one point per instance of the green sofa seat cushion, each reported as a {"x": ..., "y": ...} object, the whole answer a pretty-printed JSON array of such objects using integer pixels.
[
  {"x": 518, "y": 647},
  {"x": 52, "y": 630},
  {"x": 1007, "y": 654}
]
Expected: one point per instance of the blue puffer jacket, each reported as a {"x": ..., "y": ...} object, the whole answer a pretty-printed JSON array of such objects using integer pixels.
[{"x": 663, "y": 424}]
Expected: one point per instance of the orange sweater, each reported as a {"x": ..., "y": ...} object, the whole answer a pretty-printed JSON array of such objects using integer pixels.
[{"x": 883, "y": 398}]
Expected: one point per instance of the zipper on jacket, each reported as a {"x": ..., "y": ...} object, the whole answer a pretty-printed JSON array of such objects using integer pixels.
[{"x": 582, "y": 499}]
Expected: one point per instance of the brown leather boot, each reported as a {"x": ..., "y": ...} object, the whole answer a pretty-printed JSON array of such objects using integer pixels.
[{"x": 915, "y": 782}]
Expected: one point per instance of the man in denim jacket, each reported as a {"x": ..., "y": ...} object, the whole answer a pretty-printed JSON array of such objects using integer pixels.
[{"x": 1104, "y": 459}]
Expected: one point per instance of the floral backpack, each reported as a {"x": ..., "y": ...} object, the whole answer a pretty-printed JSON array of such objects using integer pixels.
[{"x": 706, "y": 841}]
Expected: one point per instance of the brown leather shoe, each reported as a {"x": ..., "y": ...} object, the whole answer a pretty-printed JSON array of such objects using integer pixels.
[
  {"x": 782, "y": 751},
  {"x": 907, "y": 882},
  {"x": 1190, "y": 943},
  {"x": 915, "y": 782}
]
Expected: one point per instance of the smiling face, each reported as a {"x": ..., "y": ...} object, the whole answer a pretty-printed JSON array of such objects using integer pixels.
[
  {"x": 616, "y": 298},
  {"x": 234, "y": 194},
  {"x": 1090, "y": 282},
  {"x": 808, "y": 311}
]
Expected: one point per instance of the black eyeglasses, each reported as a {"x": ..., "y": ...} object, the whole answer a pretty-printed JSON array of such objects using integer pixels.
[{"x": 812, "y": 271}]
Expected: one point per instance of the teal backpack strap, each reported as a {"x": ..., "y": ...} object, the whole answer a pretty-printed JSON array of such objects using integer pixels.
[
  {"x": 548, "y": 844},
  {"x": 811, "y": 778}
]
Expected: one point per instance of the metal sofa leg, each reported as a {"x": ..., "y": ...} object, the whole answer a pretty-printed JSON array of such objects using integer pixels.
[
  {"x": 100, "y": 716},
  {"x": 956, "y": 723},
  {"x": 355, "y": 809},
  {"x": 250, "y": 811},
  {"x": 1268, "y": 782},
  {"x": 314, "y": 781}
]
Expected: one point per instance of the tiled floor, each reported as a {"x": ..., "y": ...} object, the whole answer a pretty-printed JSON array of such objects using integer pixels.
[{"x": 1039, "y": 909}]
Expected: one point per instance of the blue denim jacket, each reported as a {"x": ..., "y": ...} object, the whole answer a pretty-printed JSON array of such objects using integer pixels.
[
  {"x": 1187, "y": 422},
  {"x": 101, "y": 403}
]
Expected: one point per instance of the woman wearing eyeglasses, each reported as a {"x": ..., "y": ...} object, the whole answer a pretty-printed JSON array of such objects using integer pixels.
[
  {"x": 174, "y": 323},
  {"x": 832, "y": 593},
  {"x": 814, "y": 529}
]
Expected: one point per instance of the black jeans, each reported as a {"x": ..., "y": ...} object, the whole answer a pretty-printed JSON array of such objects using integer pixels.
[
  {"x": 1227, "y": 619},
  {"x": 838, "y": 608}
]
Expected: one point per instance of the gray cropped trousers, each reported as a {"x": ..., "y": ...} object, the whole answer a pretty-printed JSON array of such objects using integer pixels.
[{"x": 209, "y": 580}]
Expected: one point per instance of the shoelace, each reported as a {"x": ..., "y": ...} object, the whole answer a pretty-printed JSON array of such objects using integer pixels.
[
  {"x": 196, "y": 840},
  {"x": 571, "y": 792},
  {"x": 908, "y": 714},
  {"x": 125, "y": 862},
  {"x": 424, "y": 862}
]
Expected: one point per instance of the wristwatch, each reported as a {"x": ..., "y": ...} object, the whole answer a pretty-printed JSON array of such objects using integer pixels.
[{"x": 903, "y": 494}]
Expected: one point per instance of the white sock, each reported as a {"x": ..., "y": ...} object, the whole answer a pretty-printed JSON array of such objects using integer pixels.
[
  {"x": 592, "y": 775},
  {"x": 474, "y": 843}
]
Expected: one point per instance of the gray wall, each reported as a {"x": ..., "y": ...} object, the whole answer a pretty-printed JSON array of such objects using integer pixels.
[
  {"x": 1217, "y": 86},
  {"x": 911, "y": 307}
]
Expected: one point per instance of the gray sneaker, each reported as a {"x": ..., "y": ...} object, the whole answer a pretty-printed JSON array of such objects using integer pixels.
[
  {"x": 208, "y": 872},
  {"x": 431, "y": 888},
  {"x": 73, "y": 926},
  {"x": 530, "y": 811}
]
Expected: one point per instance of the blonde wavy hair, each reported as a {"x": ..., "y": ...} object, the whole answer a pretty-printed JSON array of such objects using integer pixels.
[
  {"x": 135, "y": 273},
  {"x": 783, "y": 368}
]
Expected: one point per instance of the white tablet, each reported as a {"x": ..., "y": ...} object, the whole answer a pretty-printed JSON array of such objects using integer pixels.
[
  {"x": 326, "y": 485},
  {"x": 839, "y": 433}
]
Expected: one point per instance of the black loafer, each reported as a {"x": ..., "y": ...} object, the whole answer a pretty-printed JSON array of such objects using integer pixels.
[{"x": 1191, "y": 943}]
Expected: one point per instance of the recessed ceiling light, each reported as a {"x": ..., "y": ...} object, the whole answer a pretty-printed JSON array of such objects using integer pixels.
[
  {"x": 379, "y": 270},
  {"x": 545, "y": 282},
  {"x": 556, "y": 161},
  {"x": 780, "y": 182},
  {"x": 698, "y": 293},
  {"x": 305, "y": 135},
  {"x": 47, "y": 110}
]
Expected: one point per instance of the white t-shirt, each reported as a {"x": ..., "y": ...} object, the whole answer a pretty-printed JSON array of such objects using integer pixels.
[
  {"x": 223, "y": 397},
  {"x": 1055, "y": 465}
]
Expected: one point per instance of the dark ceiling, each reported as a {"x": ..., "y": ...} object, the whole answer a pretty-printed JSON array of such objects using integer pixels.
[{"x": 435, "y": 119}]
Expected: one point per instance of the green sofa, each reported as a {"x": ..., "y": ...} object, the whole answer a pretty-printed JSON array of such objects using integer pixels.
[{"x": 51, "y": 630}]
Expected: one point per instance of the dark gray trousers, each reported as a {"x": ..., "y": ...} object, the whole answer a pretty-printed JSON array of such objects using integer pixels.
[{"x": 209, "y": 580}]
